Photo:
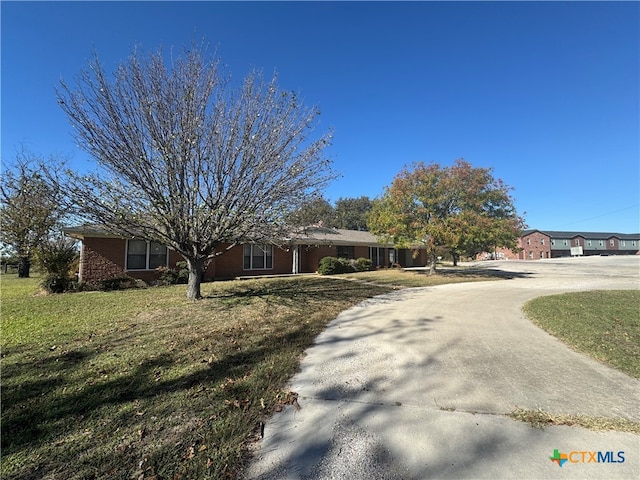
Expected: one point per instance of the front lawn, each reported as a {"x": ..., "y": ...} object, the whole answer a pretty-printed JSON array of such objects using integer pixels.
[
  {"x": 603, "y": 324},
  {"x": 145, "y": 384}
]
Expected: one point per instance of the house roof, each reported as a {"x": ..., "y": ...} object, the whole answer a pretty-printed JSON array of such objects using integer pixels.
[
  {"x": 591, "y": 235},
  {"x": 336, "y": 236},
  {"x": 586, "y": 235},
  {"x": 308, "y": 236}
]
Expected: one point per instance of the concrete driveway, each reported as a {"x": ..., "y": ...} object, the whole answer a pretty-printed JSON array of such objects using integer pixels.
[{"x": 416, "y": 385}]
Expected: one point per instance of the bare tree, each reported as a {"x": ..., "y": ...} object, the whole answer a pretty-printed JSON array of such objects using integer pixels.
[
  {"x": 31, "y": 205},
  {"x": 186, "y": 160}
]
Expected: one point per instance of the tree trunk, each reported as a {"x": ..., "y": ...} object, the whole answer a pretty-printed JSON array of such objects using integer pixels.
[
  {"x": 23, "y": 267},
  {"x": 432, "y": 266},
  {"x": 432, "y": 263},
  {"x": 455, "y": 259},
  {"x": 196, "y": 271}
]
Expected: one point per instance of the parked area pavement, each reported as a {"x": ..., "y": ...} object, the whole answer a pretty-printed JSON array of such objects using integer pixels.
[{"x": 416, "y": 385}]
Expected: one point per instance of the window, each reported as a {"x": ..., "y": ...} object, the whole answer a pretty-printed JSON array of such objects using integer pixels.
[
  {"x": 530, "y": 254},
  {"x": 345, "y": 252},
  {"x": 633, "y": 243},
  {"x": 542, "y": 241},
  {"x": 392, "y": 256},
  {"x": 528, "y": 241},
  {"x": 589, "y": 243},
  {"x": 577, "y": 242},
  {"x": 601, "y": 243},
  {"x": 553, "y": 242},
  {"x": 157, "y": 255},
  {"x": 612, "y": 242},
  {"x": 623, "y": 243},
  {"x": 143, "y": 255},
  {"x": 258, "y": 257},
  {"x": 565, "y": 243}
]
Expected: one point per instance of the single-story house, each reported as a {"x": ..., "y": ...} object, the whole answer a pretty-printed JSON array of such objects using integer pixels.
[
  {"x": 105, "y": 256},
  {"x": 538, "y": 244}
]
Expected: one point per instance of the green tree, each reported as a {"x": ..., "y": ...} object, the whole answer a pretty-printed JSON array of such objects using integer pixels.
[
  {"x": 31, "y": 206},
  {"x": 460, "y": 208},
  {"x": 317, "y": 211},
  {"x": 188, "y": 161},
  {"x": 351, "y": 213}
]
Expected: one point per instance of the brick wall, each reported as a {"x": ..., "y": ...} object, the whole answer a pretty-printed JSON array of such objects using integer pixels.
[
  {"x": 408, "y": 257},
  {"x": 311, "y": 256},
  {"x": 230, "y": 264},
  {"x": 534, "y": 246},
  {"x": 102, "y": 258},
  {"x": 360, "y": 251}
]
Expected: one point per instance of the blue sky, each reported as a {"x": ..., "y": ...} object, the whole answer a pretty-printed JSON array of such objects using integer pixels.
[{"x": 545, "y": 93}]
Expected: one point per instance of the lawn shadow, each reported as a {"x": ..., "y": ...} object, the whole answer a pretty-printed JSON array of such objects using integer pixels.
[
  {"x": 307, "y": 289},
  {"x": 58, "y": 395}
]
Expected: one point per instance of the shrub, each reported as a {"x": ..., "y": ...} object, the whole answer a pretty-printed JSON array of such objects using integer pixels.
[
  {"x": 362, "y": 264},
  {"x": 57, "y": 258},
  {"x": 173, "y": 276},
  {"x": 333, "y": 266},
  {"x": 55, "y": 284}
]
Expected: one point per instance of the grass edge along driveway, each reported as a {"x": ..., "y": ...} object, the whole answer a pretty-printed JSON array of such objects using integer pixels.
[{"x": 604, "y": 324}]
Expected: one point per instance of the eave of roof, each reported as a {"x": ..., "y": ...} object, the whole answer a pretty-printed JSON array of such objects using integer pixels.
[
  {"x": 93, "y": 231},
  {"x": 590, "y": 235},
  {"x": 307, "y": 236}
]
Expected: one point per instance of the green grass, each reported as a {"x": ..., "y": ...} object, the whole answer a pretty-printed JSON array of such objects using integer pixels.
[
  {"x": 143, "y": 382},
  {"x": 602, "y": 324}
]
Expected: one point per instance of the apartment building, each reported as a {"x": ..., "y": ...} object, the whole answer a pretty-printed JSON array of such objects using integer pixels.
[{"x": 538, "y": 244}]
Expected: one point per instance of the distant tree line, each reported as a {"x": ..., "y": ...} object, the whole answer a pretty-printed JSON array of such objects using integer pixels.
[{"x": 347, "y": 213}]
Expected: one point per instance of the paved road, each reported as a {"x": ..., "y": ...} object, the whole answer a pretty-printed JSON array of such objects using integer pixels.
[{"x": 415, "y": 385}]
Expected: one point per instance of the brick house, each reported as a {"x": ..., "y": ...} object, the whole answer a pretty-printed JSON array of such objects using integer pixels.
[
  {"x": 105, "y": 256},
  {"x": 536, "y": 244}
]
